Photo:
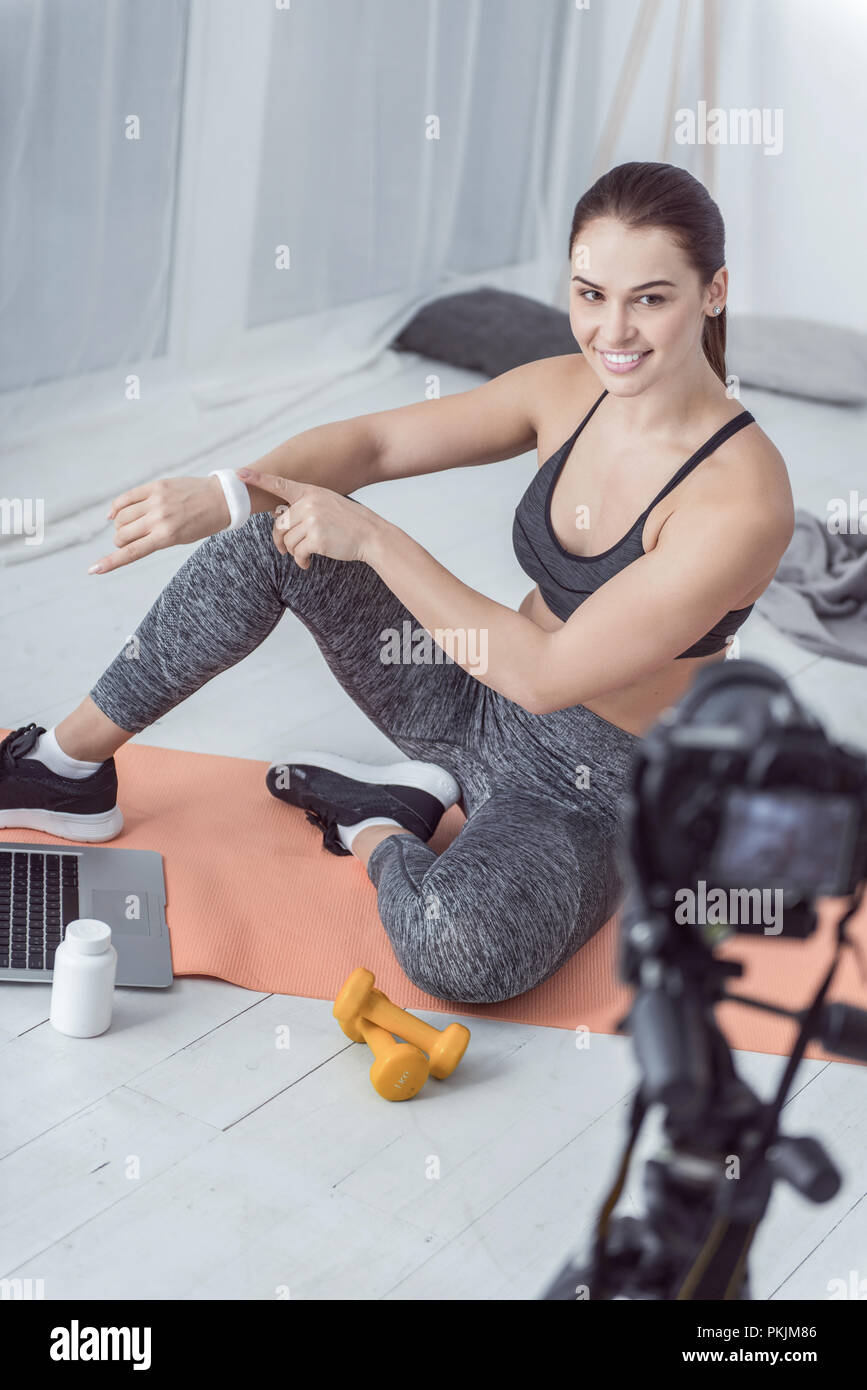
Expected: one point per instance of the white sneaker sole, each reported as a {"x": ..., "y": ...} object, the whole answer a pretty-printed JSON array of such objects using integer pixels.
[
  {"x": 103, "y": 825},
  {"x": 427, "y": 777}
]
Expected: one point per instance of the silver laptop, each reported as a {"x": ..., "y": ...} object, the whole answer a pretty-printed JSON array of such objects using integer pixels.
[{"x": 43, "y": 889}]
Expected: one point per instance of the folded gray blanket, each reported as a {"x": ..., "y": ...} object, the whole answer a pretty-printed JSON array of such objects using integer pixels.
[{"x": 818, "y": 596}]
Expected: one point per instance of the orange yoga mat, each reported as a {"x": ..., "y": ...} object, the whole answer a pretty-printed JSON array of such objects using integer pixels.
[{"x": 253, "y": 898}]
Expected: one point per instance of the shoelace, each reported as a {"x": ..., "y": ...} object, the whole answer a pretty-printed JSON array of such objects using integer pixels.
[
  {"x": 18, "y": 743},
  {"x": 328, "y": 825}
]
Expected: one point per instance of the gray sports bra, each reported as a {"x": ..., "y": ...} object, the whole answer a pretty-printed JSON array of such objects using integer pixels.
[{"x": 566, "y": 580}]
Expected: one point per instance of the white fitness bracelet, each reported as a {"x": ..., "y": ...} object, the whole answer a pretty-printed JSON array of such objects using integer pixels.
[{"x": 237, "y": 496}]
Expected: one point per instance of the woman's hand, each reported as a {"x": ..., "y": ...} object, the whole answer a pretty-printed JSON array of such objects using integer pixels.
[
  {"x": 314, "y": 520},
  {"x": 170, "y": 511}
]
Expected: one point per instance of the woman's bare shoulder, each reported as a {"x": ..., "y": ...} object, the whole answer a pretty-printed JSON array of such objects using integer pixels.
[
  {"x": 760, "y": 461},
  {"x": 562, "y": 376},
  {"x": 750, "y": 473},
  {"x": 566, "y": 387}
]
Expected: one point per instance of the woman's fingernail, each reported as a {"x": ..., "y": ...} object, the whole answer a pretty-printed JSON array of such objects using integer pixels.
[
  {"x": 245, "y": 472},
  {"x": 95, "y": 569}
]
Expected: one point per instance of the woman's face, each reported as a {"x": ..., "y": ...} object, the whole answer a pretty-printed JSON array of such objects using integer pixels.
[{"x": 634, "y": 294}]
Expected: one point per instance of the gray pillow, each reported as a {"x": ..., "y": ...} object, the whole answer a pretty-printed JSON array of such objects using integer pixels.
[
  {"x": 490, "y": 330},
  {"x": 798, "y": 357},
  {"x": 487, "y": 330}
]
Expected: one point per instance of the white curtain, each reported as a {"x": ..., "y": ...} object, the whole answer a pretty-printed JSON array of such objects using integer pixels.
[
  {"x": 397, "y": 144},
  {"x": 307, "y": 175},
  {"x": 171, "y": 301},
  {"x": 88, "y": 213}
]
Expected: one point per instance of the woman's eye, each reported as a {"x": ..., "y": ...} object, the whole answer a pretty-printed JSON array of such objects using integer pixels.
[{"x": 656, "y": 298}]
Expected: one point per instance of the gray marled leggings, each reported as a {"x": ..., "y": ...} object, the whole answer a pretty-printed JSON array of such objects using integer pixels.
[{"x": 533, "y": 873}]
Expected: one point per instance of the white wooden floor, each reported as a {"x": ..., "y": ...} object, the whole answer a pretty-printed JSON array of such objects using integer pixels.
[{"x": 185, "y": 1154}]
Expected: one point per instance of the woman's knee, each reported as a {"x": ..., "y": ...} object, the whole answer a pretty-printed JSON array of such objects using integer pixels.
[
  {"x": 469, "y": 953},
  {"x": 489, "y": 920},
  {"x": 249, "y": 551}
]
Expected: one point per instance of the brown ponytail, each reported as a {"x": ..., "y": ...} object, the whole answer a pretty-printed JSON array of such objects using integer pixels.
[
  {"x": 644, "y": 195},
  {"x": 713, "y": 340}
]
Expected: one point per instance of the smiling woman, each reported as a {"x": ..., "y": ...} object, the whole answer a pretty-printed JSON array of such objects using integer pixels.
[
  {"x": 621, "y": 361},
  {"x": 676, "y": 213},
  {"x": 655, "y": 526},
  {"x": 534, "y": 742}
]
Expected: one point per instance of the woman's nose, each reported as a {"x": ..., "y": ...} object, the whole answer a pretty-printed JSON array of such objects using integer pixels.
[{"x": 616, "y": 326}]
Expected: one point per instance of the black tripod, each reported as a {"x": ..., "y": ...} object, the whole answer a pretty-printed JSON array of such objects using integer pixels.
[{"x": 707, "y": 1191}]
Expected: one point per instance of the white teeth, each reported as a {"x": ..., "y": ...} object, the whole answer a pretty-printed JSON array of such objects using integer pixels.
[{"x": 622, "y": 356}]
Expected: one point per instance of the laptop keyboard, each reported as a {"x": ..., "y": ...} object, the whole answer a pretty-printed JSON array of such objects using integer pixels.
[{"x": 38, "y": 900}]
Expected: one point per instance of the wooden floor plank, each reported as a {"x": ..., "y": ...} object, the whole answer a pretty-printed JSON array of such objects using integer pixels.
[
  {"x": 46, "y": 1077},
  {"x": 84, "y": 1166}
]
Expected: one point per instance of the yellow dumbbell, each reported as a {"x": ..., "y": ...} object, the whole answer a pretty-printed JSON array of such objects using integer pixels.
[
  {"x": 359, "y": 1000},
  {"x": 399, "y": 1070}
]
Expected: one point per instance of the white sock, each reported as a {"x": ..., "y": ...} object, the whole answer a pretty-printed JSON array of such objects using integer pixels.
[
  {"x": 49, "y": 752},
  {"x": 347, "y": 833}
]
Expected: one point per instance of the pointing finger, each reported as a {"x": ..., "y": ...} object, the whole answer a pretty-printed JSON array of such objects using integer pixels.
[{"x": 284, "y": 488}]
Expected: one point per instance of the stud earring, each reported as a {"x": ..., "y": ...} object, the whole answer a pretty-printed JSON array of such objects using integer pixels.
[{"x": 716, "y": 309}]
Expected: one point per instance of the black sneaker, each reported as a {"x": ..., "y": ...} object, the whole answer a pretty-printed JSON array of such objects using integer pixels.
[
  {"x": 32, "y": 797},
  {"x": 337, "y": 791}
]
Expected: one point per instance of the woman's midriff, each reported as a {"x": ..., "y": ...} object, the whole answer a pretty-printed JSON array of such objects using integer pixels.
[{"x": 639, "y": 705}]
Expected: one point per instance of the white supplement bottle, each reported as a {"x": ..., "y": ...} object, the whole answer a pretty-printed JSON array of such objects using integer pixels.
[{"x": 82, "y": 988}]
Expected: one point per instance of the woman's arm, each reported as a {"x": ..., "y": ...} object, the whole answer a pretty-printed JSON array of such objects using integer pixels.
[
  {"x": 489, "y": 422},
  {"x": 498, "y": 646},
  {"x": 485, "y": 424},
  {"x": 708, "y": 555},
  {"x": 342, "y": 455}
]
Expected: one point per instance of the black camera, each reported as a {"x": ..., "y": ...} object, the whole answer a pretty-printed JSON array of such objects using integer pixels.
[
  {"x": 739, "y": 787},
  {"x": 741, "y": 813}
]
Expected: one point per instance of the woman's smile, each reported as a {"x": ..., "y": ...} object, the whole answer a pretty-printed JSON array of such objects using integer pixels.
[{"x": 621, "y": 362}]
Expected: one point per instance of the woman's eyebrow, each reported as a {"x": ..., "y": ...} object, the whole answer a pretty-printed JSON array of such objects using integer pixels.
[{"x": 648, "y": 284}]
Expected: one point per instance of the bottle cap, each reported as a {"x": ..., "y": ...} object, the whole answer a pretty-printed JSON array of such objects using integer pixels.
[{"x": 88, "y": 935}]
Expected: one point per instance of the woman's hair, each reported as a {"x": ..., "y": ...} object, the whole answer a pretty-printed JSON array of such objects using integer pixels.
[{"x": 662, "y": 195}]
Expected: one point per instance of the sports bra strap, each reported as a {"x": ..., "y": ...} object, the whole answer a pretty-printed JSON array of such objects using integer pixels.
[
  {"x": 566, "y": 448},
  {"x": 725, "y": 432}
]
